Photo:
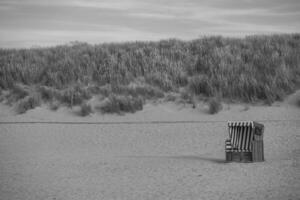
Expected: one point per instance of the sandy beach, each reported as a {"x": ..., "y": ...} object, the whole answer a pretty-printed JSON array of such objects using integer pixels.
[{"x": 146, "y": 161}]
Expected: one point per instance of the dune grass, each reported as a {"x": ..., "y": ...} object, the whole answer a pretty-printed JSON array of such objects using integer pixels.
[
  {"x": 215, "y": 105},
  {"x": 250, "y": 69},
  {"x": 27, "y": 103},
  {"x": 85, "y": 109},
  {"x": 121, "y": 103}
]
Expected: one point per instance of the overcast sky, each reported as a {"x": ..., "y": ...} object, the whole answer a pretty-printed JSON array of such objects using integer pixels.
[{"x": 26, "y": 23}]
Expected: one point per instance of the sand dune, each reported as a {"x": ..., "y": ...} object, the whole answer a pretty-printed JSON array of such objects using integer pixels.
[{"x": 146, "y": 161}]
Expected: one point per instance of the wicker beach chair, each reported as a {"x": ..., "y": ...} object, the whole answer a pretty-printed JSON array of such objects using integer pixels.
[{"x": 245, "y": 143}]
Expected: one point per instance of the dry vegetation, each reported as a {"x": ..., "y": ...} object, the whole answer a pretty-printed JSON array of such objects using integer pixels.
[
  {"x": 255, "y": 68},
  {"x": 214, "y": 105},
  {"x": 120, "y": 103}
]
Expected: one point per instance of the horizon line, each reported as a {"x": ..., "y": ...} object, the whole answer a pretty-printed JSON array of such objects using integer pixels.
[{"x": 75, "y": 42}]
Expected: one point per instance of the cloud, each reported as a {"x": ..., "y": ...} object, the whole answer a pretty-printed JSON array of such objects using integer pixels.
[
  {"x": 111, "y": 5},
  {"x": 29, "y": 38},
  {"x": 152, "y": 15},
  {"x": 45, "y": 22}
]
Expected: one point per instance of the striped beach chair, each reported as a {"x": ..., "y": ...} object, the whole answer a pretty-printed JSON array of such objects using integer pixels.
[{"x": 245, "y": 142}]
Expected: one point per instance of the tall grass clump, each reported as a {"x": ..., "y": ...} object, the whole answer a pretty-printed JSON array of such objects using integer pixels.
[
  {"x": 18, "y": 92},
  {"x": 214, "y": 105},
  {"x": 85, "y": 109},
  {"x": 54, "y": 105},
  {"x": 27, "y": 103},
  {"x": 74, "y": 96},
  {"x": 48, "y": 93},
  {"x": 201, "y": 84}
]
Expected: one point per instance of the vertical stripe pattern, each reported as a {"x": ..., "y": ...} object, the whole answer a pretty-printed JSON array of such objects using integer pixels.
[{"x": 241, "y": 136}]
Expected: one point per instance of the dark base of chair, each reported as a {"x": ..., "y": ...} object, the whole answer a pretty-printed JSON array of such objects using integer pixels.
[{"x": 239, "y": 157}]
